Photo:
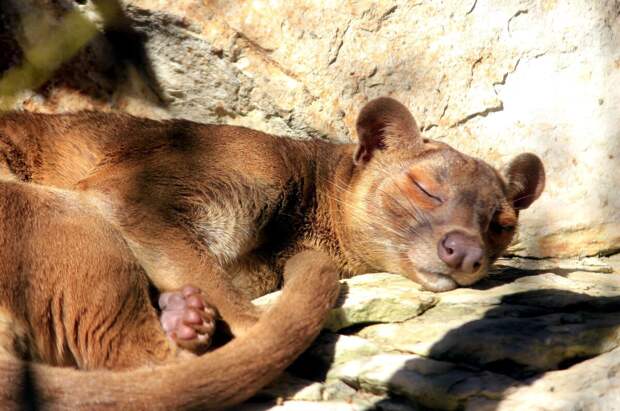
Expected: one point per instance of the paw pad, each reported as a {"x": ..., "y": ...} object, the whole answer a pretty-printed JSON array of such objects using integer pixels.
[{"x": 187, "y": 319}]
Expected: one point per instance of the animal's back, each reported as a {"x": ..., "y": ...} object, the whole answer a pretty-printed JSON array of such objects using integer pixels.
[
  {"x": 62, "y": 149},
  {"x": 54, "y": 149}
]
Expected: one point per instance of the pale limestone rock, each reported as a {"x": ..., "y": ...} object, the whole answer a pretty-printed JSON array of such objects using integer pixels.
[
  {"x": 534, "y": 341},
  {"x": 332, "y": 349},
  {"x": 591, "y": 264},
  {"x": 514, "y": 342},
  {"x": 400, "y": 299},
  {"x": 435, "y": 384},
  {"x": 593, "y": 385},
  {"x": 545, "y": 290},
  {"x": 295, "y": 392},
  {"x": 535, "y": 323},
  {"x": 368, "y": 402},
  {"x": 291, "y": 387},
  {"x": 305, "y": 406}
]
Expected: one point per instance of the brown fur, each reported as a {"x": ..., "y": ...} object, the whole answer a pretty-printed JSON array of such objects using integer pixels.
[{"x": 72, "y": 294}]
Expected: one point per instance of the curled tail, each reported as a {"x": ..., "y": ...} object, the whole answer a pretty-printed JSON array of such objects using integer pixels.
[{"x": 219, "y": 379}]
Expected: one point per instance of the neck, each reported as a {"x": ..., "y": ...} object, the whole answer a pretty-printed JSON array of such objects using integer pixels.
[{"x": 334, "y": 173}]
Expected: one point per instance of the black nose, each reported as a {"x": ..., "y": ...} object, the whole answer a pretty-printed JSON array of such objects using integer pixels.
[{"x": 460, "y": 251}]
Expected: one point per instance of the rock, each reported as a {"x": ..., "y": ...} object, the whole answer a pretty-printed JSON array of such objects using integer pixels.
[
  {"x": 290, "y": 387},
  {"x": 434, "y": 384},
  {"x": 534, "y": 324},
  {"x": 596, "y": 265},
  {"x": 551, "y": 290},
  {"x": 521, "y": 341},
  {"x": 296, "y": 393},
  {"x": 592, "y": 385},
  {"x": 400, "y": 299},
  {"x": 492, "y": 78},
  {"x": 332, "y": 349},
  {"x": 304, "y": 406},
  {"x": 338, "y": 390}
]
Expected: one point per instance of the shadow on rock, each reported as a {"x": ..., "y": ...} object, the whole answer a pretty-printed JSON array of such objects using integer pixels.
[{"x": 512, "y": 345}]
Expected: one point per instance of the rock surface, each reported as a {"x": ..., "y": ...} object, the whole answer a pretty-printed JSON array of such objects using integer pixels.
[
  {"x": 518, "y": 340},
  {"x": 399, "y": 300},
  {"x": 493, "y": 78}
]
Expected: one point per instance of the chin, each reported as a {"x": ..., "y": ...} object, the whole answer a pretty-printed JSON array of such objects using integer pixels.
[
  {"x": 466, "y": 280},
  {"x": 440, "y": 281},
  {"x": 435, "y": 282}
]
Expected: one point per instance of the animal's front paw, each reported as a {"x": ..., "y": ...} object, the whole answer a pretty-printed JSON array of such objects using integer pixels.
[{"x": 187, "y": 319}]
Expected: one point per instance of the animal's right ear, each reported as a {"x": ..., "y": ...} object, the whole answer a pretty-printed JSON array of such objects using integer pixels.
[
  {"x": 384, "y": 123},
  {"x": 526, "y": 180}
]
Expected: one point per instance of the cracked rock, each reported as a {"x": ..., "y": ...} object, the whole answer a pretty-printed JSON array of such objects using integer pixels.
[
  {"x": 400, "y": 299},
  {"x": 517, "y": 341},
  {"x": 507, "y": 327}
]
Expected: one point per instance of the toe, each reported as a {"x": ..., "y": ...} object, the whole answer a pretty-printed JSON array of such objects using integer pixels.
[
  {"x": 192, "y": 317},
  {"x": 195, "y": 301},
  {"x": 189, "y": 290},
  {"x": 205, "y": 329},
  {"x": 183, "y": 332}
]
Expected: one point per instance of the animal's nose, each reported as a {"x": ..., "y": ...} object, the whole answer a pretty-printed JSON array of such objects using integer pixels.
[{"x": 460, "y": 251}]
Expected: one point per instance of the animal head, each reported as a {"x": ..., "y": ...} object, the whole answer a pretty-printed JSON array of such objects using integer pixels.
[{"x": 427, "y": 211}]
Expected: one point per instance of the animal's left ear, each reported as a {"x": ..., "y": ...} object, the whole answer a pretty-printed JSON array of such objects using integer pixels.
[
  {"x": 526, "y": 180},
  {"x": 384, "y": 123}
]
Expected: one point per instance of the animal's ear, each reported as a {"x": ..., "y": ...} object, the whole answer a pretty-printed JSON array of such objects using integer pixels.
[
  {"x": 384, "y": 123},
  {"x": 526, "y": 180}
]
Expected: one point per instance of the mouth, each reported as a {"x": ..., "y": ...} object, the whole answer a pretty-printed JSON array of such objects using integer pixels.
[{"x": 438, "y": 277}]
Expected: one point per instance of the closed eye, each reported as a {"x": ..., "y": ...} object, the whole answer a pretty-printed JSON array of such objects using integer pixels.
[
  {"x": 425, "y": 191},
  {"x": 496, "y": 227}
]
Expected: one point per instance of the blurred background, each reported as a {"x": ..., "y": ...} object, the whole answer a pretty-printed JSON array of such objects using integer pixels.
[{"x": 492, "y": 78}]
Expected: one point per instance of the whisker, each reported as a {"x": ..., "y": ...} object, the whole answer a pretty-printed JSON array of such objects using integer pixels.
[
  {"x": 412, "y": 212},
  {"x": 419, "y": 215},
  {"x": 408, "y": 212}
]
